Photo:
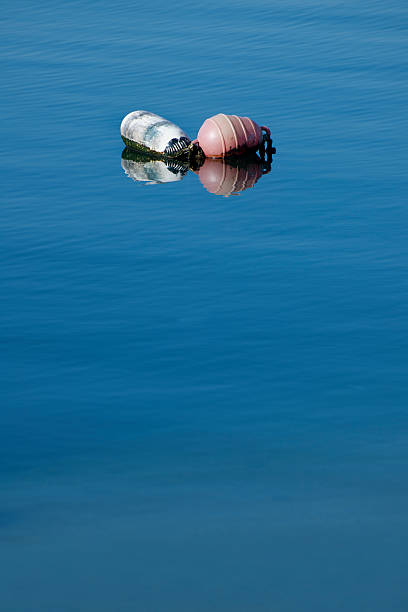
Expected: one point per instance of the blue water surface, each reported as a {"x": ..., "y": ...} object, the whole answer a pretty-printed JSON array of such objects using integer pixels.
[{"x": 204, "y": 399}]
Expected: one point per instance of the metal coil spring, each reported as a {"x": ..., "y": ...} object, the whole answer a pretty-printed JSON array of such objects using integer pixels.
[
  {"x": 176, "y": 167},
  {"x": 177, "y": 146}
]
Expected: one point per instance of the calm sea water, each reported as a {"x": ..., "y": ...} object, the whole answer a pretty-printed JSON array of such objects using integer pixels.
[{"x": 204, "y": 399}]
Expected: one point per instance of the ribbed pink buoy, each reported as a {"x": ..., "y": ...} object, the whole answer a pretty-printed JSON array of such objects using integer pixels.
[{"x": 223, "y": 135}]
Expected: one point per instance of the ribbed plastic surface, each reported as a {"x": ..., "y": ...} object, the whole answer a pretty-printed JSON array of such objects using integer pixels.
[{"x": 223, "y": 135}]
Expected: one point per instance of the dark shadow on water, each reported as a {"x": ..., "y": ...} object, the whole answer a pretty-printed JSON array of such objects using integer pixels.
[{"x": 222, "y": 177}]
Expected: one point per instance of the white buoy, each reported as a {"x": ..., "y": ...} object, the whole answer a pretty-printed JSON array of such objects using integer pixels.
[{"x": 150, "y": 133}]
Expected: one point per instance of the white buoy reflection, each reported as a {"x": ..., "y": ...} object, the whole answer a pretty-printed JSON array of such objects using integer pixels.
[{"x": 143, "y": 169}]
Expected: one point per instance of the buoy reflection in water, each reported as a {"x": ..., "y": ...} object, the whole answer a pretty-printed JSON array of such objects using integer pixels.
[
  {"x": 223, "y": 177},
  {"x": 142, "y": 168},
  {"x": 230, "y": 176}
]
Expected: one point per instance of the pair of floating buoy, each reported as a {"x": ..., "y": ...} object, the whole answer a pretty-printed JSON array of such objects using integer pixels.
[{"x": 219, "y": 136}]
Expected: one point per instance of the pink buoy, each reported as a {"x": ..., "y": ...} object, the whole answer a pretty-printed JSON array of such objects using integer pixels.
[{"x": 223, "y": 135}]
